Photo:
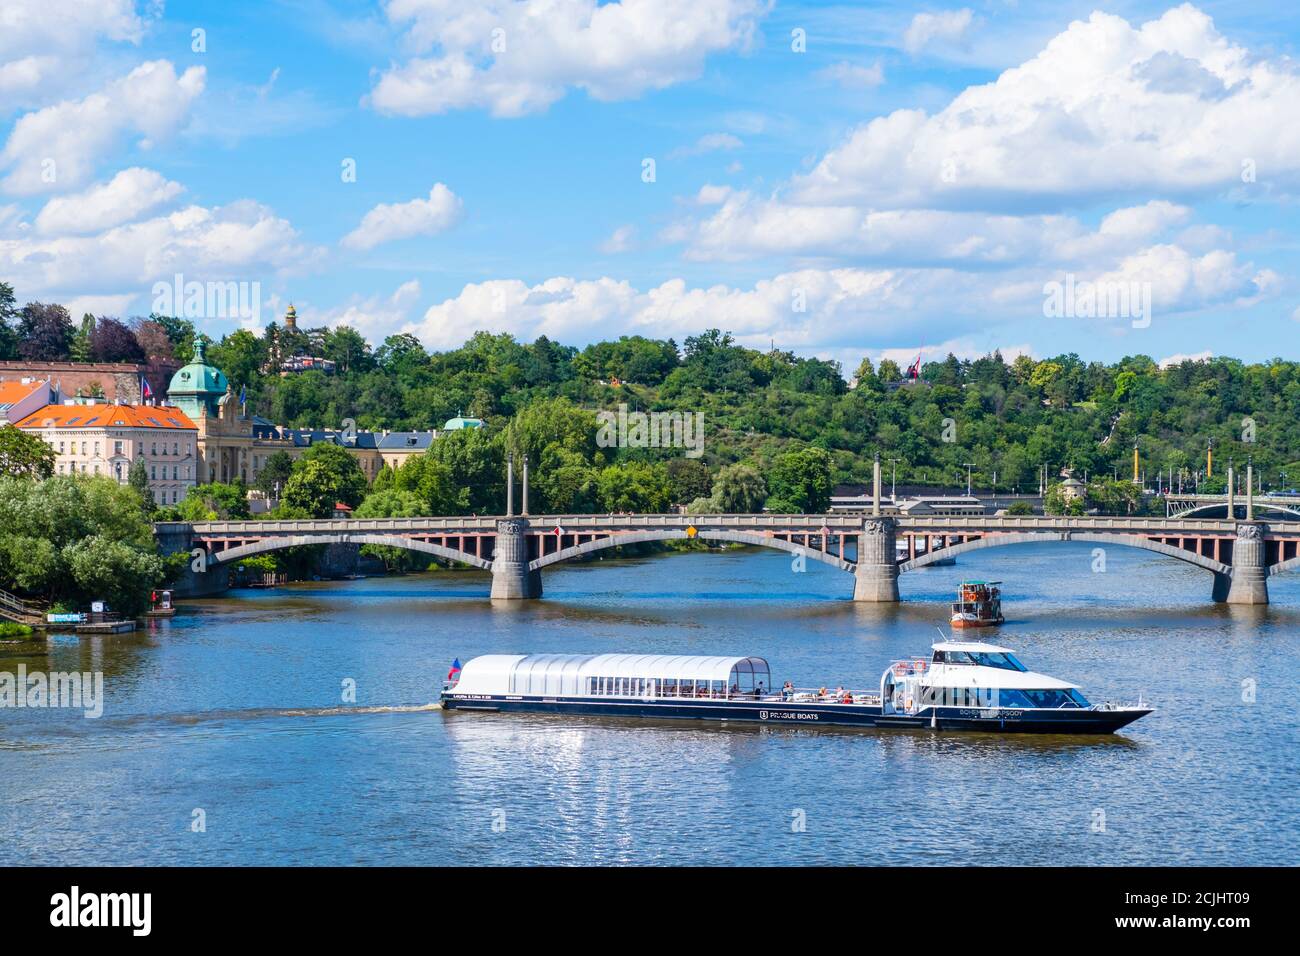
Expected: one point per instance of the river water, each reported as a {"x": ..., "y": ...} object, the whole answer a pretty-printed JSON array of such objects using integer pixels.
[{"x": 225, "y": 738}]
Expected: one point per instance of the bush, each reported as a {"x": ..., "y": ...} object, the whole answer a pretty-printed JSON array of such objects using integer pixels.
[{"x": 10, "y": 630}]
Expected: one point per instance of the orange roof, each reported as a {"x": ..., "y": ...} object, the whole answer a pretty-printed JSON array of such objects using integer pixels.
[
  {"x": 107, "y": 416},
  {"x": 11, "y": 393}
]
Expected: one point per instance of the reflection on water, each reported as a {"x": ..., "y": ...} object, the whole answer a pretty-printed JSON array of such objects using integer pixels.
[{"x": 237, "y": 707}]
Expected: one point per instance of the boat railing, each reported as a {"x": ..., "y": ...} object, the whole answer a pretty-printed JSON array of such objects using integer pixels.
[{"x": 803, "y": 695}]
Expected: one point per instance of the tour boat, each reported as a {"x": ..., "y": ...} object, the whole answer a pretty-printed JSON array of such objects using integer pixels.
[
  {"x": 962, "y": 685},
  {"x": 978, "y": 604}
]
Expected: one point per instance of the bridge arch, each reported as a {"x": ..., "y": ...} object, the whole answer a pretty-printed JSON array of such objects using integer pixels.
[
  {"x": 1293, "y": 564},
  {"x": 1040, "y": 537},
  {"x": 1205, "y": 510},
  {"x": 354, "y": 537},
  {"x": 735, "y": 537}
]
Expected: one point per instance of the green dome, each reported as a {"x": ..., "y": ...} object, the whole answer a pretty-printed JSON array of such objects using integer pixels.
[
  {"x": 197, "y": 383},
  {"x": 455, "y": 424}
]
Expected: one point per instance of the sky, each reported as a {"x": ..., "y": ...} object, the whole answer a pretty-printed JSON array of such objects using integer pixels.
[{"x": 839, "y": 180}]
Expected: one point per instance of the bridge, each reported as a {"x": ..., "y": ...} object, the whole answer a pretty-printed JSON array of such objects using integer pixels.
[
  {"x": 1283, "y": 507},
  {"x": 1241, "y": 555}
]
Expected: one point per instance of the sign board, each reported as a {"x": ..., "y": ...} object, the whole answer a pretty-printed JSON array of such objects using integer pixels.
[
  {"x": 72, "y": 617},
  {"x": 98, "y": 607}
]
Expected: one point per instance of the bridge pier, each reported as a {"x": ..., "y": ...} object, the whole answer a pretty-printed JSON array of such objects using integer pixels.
[
  {"x": 875, "y": 581},
  {"x": 511, "y": 579},
  {"x": 1249, "y": 584}
]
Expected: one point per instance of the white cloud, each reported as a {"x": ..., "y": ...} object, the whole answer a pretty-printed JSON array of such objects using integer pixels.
[
  {"x": 948, "y": 26},
  {"x": 241, "y": 241},
  {"x": 515, "y": 58},
  {"x": 855, "y": 75},
  {"x": 125, "y": 197},
  {"x": 620, "y": 240},
  {"x": 376, "y": 317},
  {"x": 844, "y": 308},
  {"x": 45, "y": 44},
  {"x": 419, "y": 217},
  {"x": 1180, "y": 358},
  {"x": 745, "y": 226},
  {"x": 69, "y": 139},
  {"x": 1088, "y": 116},
  {"x": 709, "y": 143}
]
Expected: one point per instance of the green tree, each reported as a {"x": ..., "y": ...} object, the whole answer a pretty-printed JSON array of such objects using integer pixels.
[
  {"x": 432, "y": 483},
  {"x": 24, "y": 455},
  {"x": 635, "y": 487},
  {"x": 8, "y": 318},
  {"x": 215, "y": 502},
  {"x": 688, "y": 479},
  {"x": 738, "y": 489},
  {"x": 801, "y": 482},
  {"x": 73, "y": 539},
  {"x": 275, "y": 472},
  {"x": 137, "y": 479},
  {"x": 325, "y": 475}
]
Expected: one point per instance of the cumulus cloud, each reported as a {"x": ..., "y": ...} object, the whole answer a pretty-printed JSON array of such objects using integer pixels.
[
  {"x": 747, "y": 226},
  {"x": 376, "y": 317},
  {"x": 515, "y": 57},
  {"x": 419, "y": 217},
  {"x": 127, "y": 196},
  {"x": 45, "y": 43},
  {"x": 1105, "y": 108},
  {"x": 948, "y": 26},
  {"x": 242, "y": 241},
  {"x": 58, "y": 147}
]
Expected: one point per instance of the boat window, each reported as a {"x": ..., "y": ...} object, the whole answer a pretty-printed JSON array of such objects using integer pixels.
[
  {"x": 1042, "y": 698},
  {"x": 1006, "y": 662}
]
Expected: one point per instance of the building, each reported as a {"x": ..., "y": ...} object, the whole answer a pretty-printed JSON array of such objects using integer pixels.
[
  {"x": 109, "y": 381},
  {"x": 20, "y": 398},
  {"x": 105, "y": 438},
  {"x": 232, "y": 446}
]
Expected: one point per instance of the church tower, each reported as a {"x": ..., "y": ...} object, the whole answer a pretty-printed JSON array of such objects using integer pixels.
[{"x": 291, "y": 318}]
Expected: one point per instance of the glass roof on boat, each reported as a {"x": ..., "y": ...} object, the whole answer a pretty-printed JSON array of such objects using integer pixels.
[
  {"x": 567, "y": 673},
  {"x": 682, "y": 667}
]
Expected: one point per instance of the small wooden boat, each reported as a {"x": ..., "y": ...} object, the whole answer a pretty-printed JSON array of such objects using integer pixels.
[{"x": 978, "y": 604}]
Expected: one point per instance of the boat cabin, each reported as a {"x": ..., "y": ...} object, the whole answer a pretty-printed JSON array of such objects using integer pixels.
[
  {"x": 643, "y": 676},
  {"x": 972, "y": 674}
]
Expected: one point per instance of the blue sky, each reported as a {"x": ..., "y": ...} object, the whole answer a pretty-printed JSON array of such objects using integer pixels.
[{"x": 842, "y": 179}]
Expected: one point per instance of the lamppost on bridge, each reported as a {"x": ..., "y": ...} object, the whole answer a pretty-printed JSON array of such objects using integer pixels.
[{"x": 893, "y": 475}]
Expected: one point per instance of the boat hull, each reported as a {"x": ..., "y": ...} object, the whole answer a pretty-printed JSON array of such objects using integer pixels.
[{"x": 1060, "y": 721}]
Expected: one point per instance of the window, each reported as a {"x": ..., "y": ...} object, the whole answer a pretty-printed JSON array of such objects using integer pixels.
[
  {"x": 1051, "y": 699},
  {"x": 117, "y": 448}
]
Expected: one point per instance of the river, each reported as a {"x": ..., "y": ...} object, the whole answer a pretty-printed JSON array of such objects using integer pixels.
[{"x": 226, "y": 738}]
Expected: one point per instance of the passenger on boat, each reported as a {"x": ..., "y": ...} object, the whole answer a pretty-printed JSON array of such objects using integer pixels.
[
  {"x": 846, "y": 698},
  {"x": 821, "y": 694},
  {"x": 787, "y": 690}
]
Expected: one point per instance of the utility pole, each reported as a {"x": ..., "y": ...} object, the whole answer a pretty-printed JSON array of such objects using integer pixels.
[
  {"x": 969, "y": 466},
  {"x": 893, "y": 476}
]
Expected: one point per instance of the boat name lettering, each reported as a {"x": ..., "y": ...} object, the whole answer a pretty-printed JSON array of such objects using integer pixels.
[{"x": 785, "y": 715}]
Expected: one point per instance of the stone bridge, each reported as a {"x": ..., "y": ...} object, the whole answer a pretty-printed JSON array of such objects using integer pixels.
[{"x": 875, "y": 549}]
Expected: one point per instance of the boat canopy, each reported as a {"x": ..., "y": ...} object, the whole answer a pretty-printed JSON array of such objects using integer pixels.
[{"x": 567, "y": 674}]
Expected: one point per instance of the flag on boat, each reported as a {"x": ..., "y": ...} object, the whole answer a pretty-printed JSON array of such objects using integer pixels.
[{"x": 455, "y": 669}]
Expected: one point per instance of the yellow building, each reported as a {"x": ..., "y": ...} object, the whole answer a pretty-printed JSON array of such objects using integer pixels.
[{"x": 104, "y": 439}]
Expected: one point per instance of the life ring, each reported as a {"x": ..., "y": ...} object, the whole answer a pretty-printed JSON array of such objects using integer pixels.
[{"x": 900, "y": 669}]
